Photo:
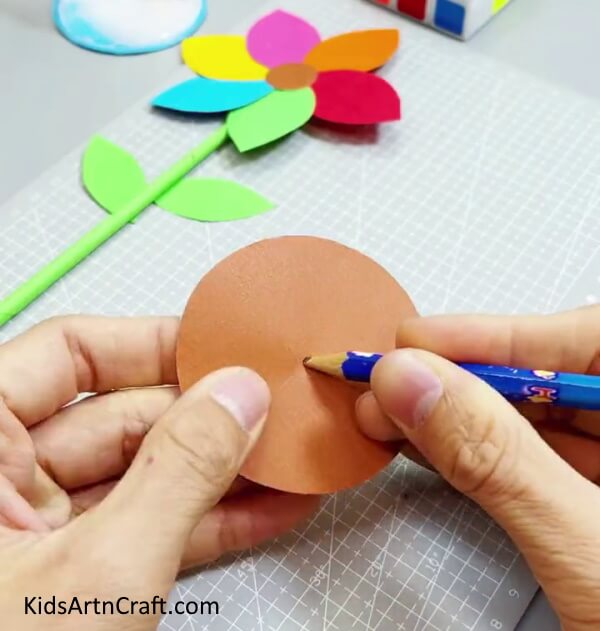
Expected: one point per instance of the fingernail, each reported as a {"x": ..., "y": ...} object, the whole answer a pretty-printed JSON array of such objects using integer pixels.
[
  {"x": 362, "y": 399},
  {"x": 244, "y": 394},
  {"x": 416, "y": 390},
  {"x": 374, "y": 422}
]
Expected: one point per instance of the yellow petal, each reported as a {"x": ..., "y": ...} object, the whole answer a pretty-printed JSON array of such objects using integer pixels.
[{"x": 221, "y": 57}]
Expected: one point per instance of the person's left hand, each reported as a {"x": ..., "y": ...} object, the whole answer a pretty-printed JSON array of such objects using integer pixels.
[{"x": 59, "y": 458}]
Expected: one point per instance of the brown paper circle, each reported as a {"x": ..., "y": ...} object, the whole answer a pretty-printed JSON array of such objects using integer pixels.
[
  {"x": 291, "y": 76},
  {"x": 269, "y": 305}
]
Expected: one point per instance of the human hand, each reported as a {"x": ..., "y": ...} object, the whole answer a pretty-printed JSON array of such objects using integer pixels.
[
  {"x": 111, "y": 496},
  {"x": 534, "y": 479}
]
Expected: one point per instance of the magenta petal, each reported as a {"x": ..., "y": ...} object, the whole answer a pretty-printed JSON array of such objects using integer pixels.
[
  {"x": 352, "y": 97},
  {"x": 281, "y": 38}
]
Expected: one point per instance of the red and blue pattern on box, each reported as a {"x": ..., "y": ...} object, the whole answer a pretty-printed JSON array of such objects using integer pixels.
[{"x": 460, "y": 18}]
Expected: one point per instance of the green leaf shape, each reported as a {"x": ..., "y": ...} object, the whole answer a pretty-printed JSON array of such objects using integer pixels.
[
  {"x": 273, "y": 117},
  {"x": 205, "y": 199},
  {"x": 110, "y": 175}
]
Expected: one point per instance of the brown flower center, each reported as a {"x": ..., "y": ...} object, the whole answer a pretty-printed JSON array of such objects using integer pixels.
[{"x": 291, "y": 76}]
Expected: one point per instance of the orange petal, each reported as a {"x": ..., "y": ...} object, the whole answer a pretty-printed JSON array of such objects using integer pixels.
[{"x": 359, "y": 50}]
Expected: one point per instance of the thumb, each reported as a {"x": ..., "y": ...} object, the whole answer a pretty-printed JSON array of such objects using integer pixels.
[
  {"x": 481, "y": 445},
  {"x": 185, "y": 465}
]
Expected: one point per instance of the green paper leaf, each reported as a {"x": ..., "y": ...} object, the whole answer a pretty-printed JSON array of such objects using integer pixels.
[
  {"x": 213, "y": 200},
  {"x": 274, "y": 116},
  {"x": 110, "y": 175}
]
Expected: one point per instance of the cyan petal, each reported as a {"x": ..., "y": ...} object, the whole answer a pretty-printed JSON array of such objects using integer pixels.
[{"x": 203, "y": 95}]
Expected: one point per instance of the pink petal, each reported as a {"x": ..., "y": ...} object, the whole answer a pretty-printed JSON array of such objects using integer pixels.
[
  {"x": 355, "y": 98},
  {"x": 281, "y": 38}
]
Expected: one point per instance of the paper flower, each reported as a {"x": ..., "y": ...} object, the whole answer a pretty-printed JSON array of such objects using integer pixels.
[
  {"x": 270, "y": 83},
  {"x": 282, "y": 74}
]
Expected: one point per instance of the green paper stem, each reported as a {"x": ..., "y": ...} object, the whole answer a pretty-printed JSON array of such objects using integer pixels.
[{"x": 44, "y": 278}]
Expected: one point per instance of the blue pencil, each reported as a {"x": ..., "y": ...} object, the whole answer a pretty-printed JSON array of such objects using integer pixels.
[{"x": 515, "y": 384}]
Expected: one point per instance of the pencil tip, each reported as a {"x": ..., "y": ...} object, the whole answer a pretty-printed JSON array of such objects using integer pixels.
[{"x": 306, "y": 360}]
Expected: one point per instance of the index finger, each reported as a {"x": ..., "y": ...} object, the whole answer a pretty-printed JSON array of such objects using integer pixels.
[
  {"x": 48, "y": 366},
  {"x": 568, "y": 341}
]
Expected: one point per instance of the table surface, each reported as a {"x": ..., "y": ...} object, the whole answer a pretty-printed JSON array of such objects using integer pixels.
[{"x": 47, "y": 109}]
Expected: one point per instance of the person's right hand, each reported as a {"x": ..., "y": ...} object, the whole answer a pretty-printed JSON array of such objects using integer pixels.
[{"x": 538, "y": 485}]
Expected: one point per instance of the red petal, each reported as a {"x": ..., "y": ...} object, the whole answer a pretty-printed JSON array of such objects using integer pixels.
[{"x": 355, "y": 98}]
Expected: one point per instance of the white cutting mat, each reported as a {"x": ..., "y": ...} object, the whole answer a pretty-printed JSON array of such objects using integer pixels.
[{"x": 484, "y": 198}]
